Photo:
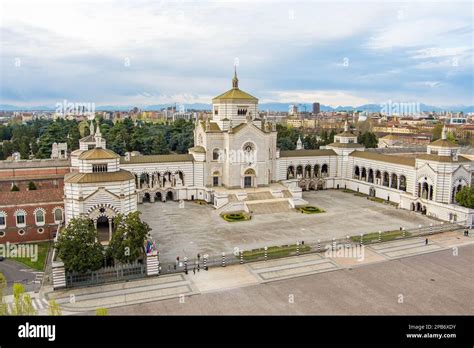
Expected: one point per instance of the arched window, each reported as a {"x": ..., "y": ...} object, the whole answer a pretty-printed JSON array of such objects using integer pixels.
[
  {"x": 39, "y": 216},
  {"x": 371, "y": 176},
  {"x": 356, "y": 172},
  {"x": 316, "y": 171},
  {"x": 386, "y": 179},
  {"x": 394, "y": 181},
  {"x": 290, "y": 174},
  {"x": 3, "y": 219},
  {"x": 58, "y": 215},
  {"x": 324, "y": 170},
  {"x": 403, "y": 183},
  {"x": 20, "y": 216},
  {"x": 216, "y": 154},
  {"x": 299, "y": 171},
  {"x": 363, "y": 175}
]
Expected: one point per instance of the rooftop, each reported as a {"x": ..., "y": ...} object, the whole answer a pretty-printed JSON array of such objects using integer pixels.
[
  {"x": 443, "y": 143},
  {"x": 33, "y": 196},
  {"x": 234, "y": 94},
  {"x": 158, "y": 159},
  {"x": 98, "y": 153},
  {"x": 406, "y": 161},
  {"x": 88, "y": 178},
  {"x": 302, "y": 153},
  {"x": 34, "y": 163}
]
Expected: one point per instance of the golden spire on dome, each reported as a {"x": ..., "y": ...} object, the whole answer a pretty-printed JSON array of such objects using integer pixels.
[{"x": 235, "y": 80}]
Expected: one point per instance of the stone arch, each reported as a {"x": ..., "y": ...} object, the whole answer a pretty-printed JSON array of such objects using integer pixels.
[
  {"x": 307, "y": 171},
  {"x": 216, "y": 153},
  {"x": 403, "y": 183},
  {"x": 249, "y": 178},
  {"x": 385, "y": 179},
  {"x": 394, "y": 181},
  {"x": 370, "y": 176},
  {"x": 299, "y": 171},
  {"x": 356, "y": 172},
  {"x": 363, "y": 174},
  {"x": 290, "y": 172},
  {"x": 40, "y": 216},
  {"x": 324, "y": 170},
  {"x": 103, "y": 209},
  {"x": 316, "y": 171}
]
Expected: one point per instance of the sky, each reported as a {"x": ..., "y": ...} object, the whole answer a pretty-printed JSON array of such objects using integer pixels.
[{"x": 155, "y": 52}]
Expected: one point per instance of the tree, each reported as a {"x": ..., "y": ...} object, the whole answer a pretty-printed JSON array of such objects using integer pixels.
[
  {"x": 101, "y": 312},
  {"x": 368, "y": 139},
  {"x": 14, "y": 188},
  {"x": 22, "y": 304},
  {"x": 31, "y": 186},
  {"x": 78, "y": 248},
  {"x": 3, "y": 285},
  {"x": 54, "y": 308},
  {"x": 465, "y": 197},
  {"x": 128, "y": 239},
  {"x": 437, "y": 130}
]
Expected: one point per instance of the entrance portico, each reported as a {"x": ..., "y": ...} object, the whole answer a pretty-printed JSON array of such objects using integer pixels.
[
  {"x": 103, "y": 218},
  {"x": 249, "y": 179}
]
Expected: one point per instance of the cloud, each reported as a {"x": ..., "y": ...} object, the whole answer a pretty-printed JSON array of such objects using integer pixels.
[{"x": 127, "y": 52}]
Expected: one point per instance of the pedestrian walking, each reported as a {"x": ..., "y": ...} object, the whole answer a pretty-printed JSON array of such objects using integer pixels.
[
  {"x": 199, "y": 267},
  {"x": 194, "y": 270},
  {"x": 426, "y": 241},
  {"x": 199, "y": 256}
]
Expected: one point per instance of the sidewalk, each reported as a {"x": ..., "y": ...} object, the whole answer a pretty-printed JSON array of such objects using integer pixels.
[{"x": 86, "y": 299}]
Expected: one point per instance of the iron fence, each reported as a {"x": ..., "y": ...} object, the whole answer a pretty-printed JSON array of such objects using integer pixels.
[
  {"x": 106, "y": 275},
  {"x": 300, "y": 248}
]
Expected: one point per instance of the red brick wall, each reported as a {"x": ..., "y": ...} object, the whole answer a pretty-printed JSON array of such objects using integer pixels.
[
  {"x": 31, "y": 229},
  {"x": 40, "y": 184},
  {"x": 44, "y": 178}
]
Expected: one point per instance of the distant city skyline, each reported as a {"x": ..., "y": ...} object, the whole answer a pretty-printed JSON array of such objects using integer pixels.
[{"x": 139, "y": 53}]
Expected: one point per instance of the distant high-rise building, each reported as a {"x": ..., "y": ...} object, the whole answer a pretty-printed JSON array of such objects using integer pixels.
[
  {"x": 316, "y": 108},
  {"x": 293, "y": 110}
]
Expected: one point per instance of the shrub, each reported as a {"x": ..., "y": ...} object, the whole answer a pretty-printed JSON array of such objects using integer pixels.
[
  {"x": 233, "y": 217},
  {"x": 309, "y": 209}
]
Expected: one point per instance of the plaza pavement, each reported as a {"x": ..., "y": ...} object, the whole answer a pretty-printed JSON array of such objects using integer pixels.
[
  {"x": 454, "y": 274},
  {"x": 199, "y": 229}
]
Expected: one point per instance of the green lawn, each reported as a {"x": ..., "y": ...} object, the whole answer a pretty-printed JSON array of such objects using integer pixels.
[
  {"x": 309, "y": 209},
  {"x": 236, "y": 217},
  {"x": 39, "y": 264},
  {"x": 374, "y": 237},
  {"x": 274, "y": 252}
]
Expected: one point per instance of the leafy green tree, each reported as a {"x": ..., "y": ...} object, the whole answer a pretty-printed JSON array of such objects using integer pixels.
[
  {"x": 54, "y": 309},
  {"x": 101, "y": 312},
  {"x": 465, "y": 197},
  {"x": 127, "y": 244},
  {"x": 78, "y": 248},
  {"x": 31, "y": 186},
  {"x": 22, "y": 304},
  {"x": 368, "y": 139},
  {"x": 3, "y": 285},
  {"x": 14, "y": 188}
]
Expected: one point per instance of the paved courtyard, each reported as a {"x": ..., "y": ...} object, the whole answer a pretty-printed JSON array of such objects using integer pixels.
[
  {"x": 199, "y": 229},
  {"x": 436, "y": 283}
]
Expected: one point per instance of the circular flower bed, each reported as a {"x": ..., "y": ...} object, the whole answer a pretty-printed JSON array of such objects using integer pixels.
[
  {"x": 309, "y": 209},
  {"x": 233, "y": 217}
]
